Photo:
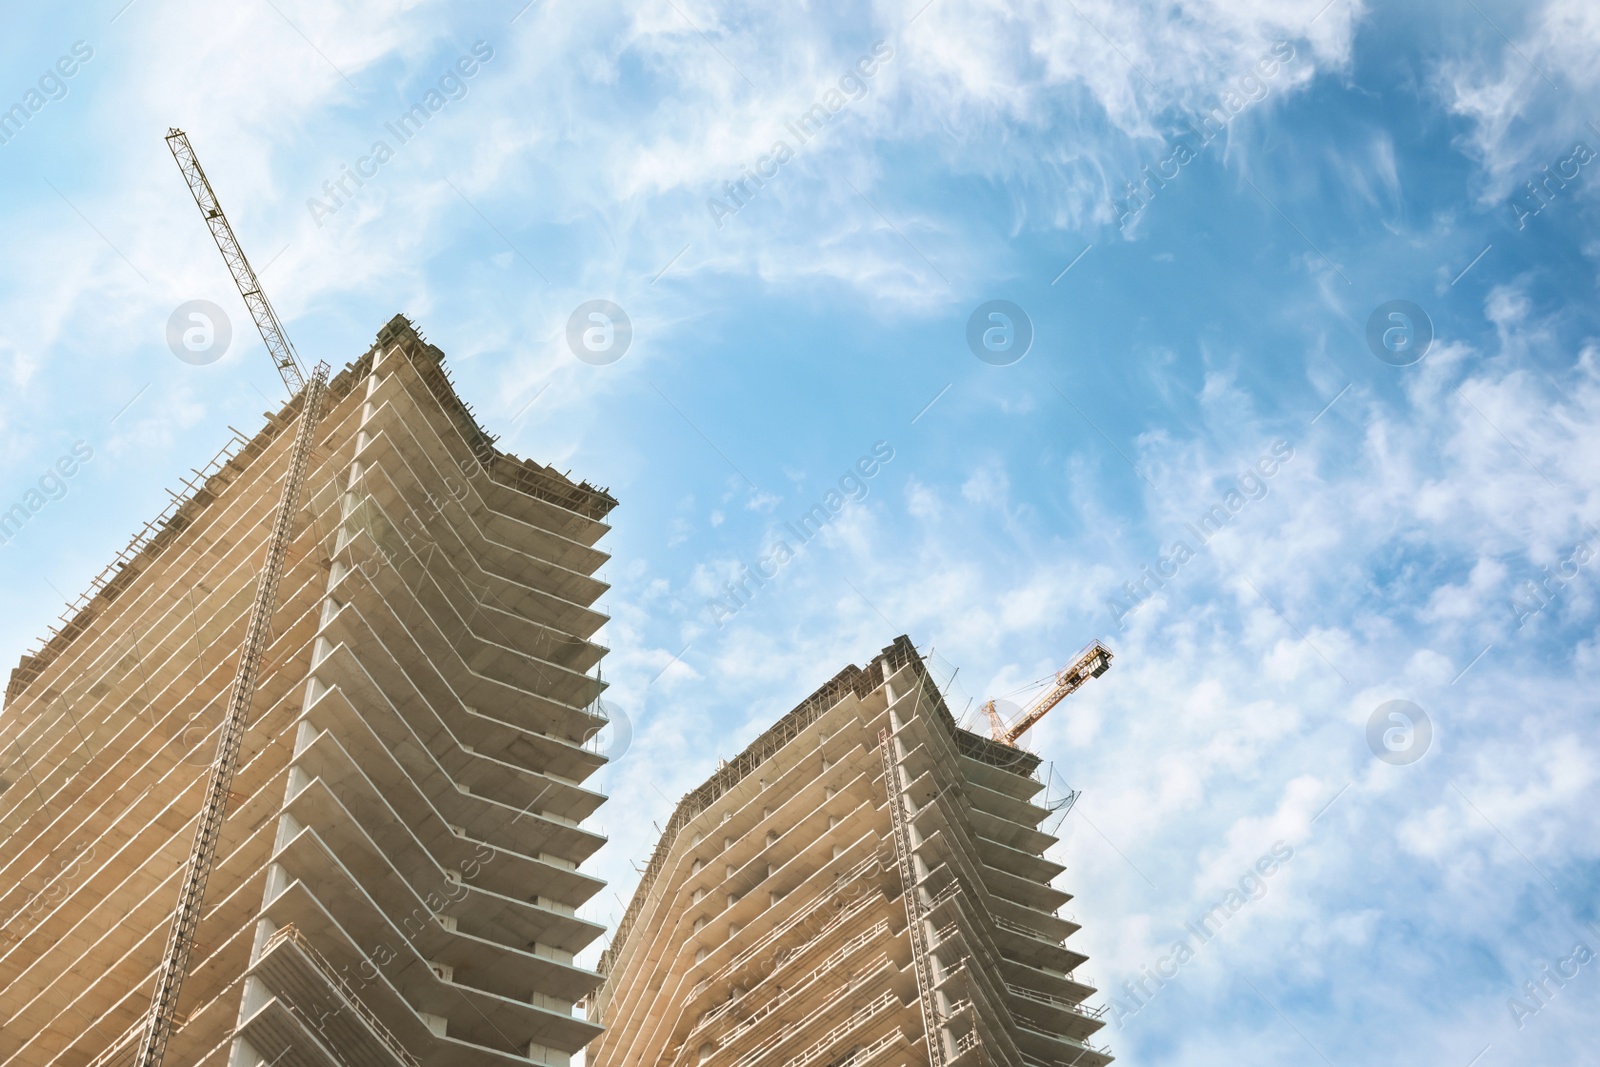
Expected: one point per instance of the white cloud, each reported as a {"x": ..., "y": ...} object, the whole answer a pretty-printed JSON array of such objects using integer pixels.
[{"x": 1527, "y": 104}]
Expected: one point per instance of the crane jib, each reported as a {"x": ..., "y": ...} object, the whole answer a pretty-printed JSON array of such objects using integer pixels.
[
  {"x": 1092, "y": 662},
  {"x": 284, "y": 356}
]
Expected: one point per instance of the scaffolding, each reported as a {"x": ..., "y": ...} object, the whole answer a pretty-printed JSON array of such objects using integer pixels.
[
  {"x": 219, "y": 784},
  {"x": 916, "y": 912}
]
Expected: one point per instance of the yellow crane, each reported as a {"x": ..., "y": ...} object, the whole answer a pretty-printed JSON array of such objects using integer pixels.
[{"x": 1092, "y": 662}]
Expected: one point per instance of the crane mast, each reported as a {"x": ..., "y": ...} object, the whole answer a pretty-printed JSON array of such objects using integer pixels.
[
  {"x": 258, "y": 629},
  {"x": 1092, "y": 662}
]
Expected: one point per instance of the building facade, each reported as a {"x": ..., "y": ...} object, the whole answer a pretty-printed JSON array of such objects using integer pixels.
[
  {"x": 865, "y": 884},
  {"x": 399, "y": 870}
]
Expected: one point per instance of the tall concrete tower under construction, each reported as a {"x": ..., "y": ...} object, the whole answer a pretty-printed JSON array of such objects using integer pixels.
[
  {"x": 399, "y": 869},
  {"x": 866, "y": 884}
]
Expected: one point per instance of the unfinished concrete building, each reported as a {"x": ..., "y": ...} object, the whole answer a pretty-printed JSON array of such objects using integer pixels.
[
  {"x": 399, "y": 868},
  {"x": 865, "y": 884}
]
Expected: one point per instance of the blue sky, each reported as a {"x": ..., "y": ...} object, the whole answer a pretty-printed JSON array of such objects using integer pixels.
[{"x": 1384, "y": 160}]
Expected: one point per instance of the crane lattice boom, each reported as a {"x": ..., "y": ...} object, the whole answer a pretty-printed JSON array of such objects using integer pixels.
[
  {"x": 1092, "y": 662},
  {"x": 283, "y": 353}
]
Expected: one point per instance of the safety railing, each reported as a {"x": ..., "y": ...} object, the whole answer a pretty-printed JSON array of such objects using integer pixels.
[
  {"x": 857, "y": 1017},
  {"x": 124, "y": 1046},
  {"x": 1055, "y": 1001},
  {"x": 342, "y": 988}
]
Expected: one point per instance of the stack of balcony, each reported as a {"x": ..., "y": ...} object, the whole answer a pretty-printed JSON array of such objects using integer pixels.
[
  {"x": 399, "y": 871},
  {"x": 781, "y": 917}
]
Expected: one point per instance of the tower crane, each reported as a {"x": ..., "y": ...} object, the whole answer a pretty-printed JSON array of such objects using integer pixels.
[
  {"x": 258, "y": 630},
  {"x": 1092, "y": 662}
]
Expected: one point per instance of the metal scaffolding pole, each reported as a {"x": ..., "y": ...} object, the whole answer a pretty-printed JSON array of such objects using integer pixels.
[{"x": 932, "y": 1024}]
